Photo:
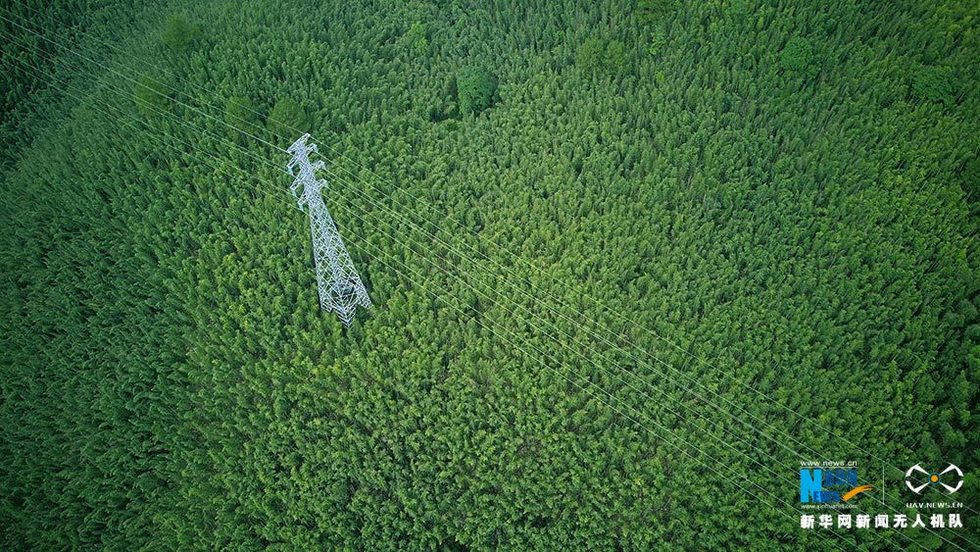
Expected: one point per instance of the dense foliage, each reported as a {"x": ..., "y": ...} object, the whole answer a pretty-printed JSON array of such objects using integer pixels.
[
  {"x": 775, "y": 201},
  {"x": 475, "y": 87}
]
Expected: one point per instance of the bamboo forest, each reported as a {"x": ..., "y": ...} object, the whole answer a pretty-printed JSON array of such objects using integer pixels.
[{"x": 471, "y": 275}]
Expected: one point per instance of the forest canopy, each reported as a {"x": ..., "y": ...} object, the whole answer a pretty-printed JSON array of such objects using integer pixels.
[{"x": 631, "y": 264}]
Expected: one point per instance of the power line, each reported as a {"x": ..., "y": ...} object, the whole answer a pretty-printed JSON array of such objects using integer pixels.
[
  {"x": 249, "y": 153},
  {"x": 517, "y": 288},
  {"x": 211, "y": 156},
  {"x": 560, "y": 301},
  {"x": 645, "y": 427},
  {"x": 599, "y": 399},
  {"x": 266, "y": 142}
]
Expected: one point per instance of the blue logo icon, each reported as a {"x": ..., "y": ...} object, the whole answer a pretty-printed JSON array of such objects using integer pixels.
[{"x": 829, "y": 485}]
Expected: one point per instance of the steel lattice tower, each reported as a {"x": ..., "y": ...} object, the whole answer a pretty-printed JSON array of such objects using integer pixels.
[{"x": 338, "y": 283}]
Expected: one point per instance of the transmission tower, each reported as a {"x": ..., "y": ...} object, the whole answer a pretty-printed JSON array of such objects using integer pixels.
[{"x": 337, "y": 281}]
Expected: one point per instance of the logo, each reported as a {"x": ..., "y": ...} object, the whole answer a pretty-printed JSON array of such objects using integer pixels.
[
  {"x": 950, "y": 479},
  {"x": 829, "y": 485}
]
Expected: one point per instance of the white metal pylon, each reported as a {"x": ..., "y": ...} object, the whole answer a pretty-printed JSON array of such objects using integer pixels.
[{"x": 338, "y": 283}]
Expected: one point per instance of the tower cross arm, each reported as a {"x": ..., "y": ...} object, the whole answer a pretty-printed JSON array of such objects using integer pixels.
[{"x": 300, "y": 151}]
